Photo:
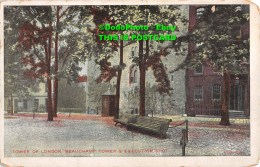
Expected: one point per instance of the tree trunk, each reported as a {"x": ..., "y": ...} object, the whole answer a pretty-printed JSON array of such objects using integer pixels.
[
  {"x": 55, "y": 96},
  {"x": 119, "y": 80},
  {"x": 142, "y": 80},
  {"x": 48, "y": 64},
  {"x": 12, "y": 104},
  {"x": 225, "y": 99},
  {"x": 146, "y": 56},
  {"x": 50, "y": 113},
  {"x": 55, "y": 80}
]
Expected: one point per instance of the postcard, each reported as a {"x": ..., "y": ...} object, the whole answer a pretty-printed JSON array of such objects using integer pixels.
[{"x": 119, "y": 83}]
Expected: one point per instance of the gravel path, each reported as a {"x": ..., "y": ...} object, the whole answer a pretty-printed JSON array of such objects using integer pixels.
[{"x": 27, "y": 137}]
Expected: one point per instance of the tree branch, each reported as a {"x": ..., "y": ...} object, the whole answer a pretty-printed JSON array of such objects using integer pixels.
[
  {"x": 36, "y": 54},
  {"x": 66, "y": 58},
  {"x": 64, "y": 13},
  {"x": 64, "y": 52}
]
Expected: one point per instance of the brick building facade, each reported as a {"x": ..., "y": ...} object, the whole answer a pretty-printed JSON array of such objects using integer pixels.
[{"x": 204, "y": 84}]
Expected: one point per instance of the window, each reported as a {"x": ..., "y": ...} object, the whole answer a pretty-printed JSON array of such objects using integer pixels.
[
  {"x": 133, "y": 74},
  {"x": 25, "y": 103},
  {"x": 198, "y": 93},
  {"x": 199, "y": 12},
  {"x": 238, "y": 8},
  {"x": 236, "y": 31},
  {"x": 198, "y": 70},
  {"x": 36, "y": 103},
  {"x": 216, "y": 92},
  {"x": 132, "y": 52},
  {"x": 158, "y": 47},
  {"x": 197, "y": 45}
]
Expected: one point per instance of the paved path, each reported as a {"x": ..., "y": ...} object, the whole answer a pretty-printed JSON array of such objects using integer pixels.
[{"x": 96, "y": 136}]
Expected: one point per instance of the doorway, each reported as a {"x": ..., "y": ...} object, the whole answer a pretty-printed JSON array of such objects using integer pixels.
[{"x": 237, "y": 96}]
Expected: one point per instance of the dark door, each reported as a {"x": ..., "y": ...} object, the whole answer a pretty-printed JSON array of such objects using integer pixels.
[
  {"x": 112, "y": 106},
  {"x": 237, "y": 96},
  {"x": 105, "y": 105}
]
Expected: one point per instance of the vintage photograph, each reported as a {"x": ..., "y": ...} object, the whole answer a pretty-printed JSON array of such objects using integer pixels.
[{"x": 126, "y": 80}]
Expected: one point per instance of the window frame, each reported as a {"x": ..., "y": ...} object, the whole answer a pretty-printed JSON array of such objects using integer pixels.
[
  {"x": 36, "y": 102},
  {"x": 219, "y": 87},
  {"x": 199, "y": 12},
  {"x": 25, "y": 103},
  {"x": 133, "y": 52},
  {"x": 196, "y": 72},
  {"x": 198, "y": 86},
  {"x": 132, "y": 75},
  {"x": 238, "y": 8}
]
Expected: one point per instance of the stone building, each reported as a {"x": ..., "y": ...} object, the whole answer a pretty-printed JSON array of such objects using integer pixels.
[
  {"x": 172, "y": 104},
  {"x": 37, "y": 99}
]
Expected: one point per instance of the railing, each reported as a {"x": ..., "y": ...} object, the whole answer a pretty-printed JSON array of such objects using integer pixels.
[
  {"x": 184, "y": 138},
  {"x": 92, "y": 111},
  {"x": 205, "y": 109}
]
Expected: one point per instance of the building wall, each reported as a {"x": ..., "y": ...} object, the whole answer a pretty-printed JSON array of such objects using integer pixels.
[
  {"x": 94, "y": 90},
  {"x": 129, "y": 92},
  {"x": 209, "y": 106},
  {"x": 206, "y": 106},
  {"x": 28, "y": 104},
  {"x": 173, "y": 104}
]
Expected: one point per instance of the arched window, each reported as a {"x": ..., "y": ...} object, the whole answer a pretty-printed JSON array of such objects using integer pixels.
[
  {"x": 238, "y": 8},
  {"x": 199, "y": 12},
  {"x": 133, "y": 75},
  {"x": 172, "y": 77}
]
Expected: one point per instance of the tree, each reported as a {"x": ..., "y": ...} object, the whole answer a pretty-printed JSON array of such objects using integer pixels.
[
  {"x": 55, "y": 79},
  {"x": 138, "y": 15},
  {"x": 69, "y": 36},
  {"x": 30, "y": 37},
  {"x": 220, "y": 47},
  {"x": 152, "y": 16},
  {"x": 101, "y": 16},
  {"x": 15, "y": 82}
]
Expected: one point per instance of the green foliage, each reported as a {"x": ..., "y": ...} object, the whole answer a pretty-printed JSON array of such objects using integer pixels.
[
  {"x": 141, "y": 15},
  {"x": 217, "y": 43},
  {"x": 95, "y": 92},
  {"x": 14, "y": 82}
]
